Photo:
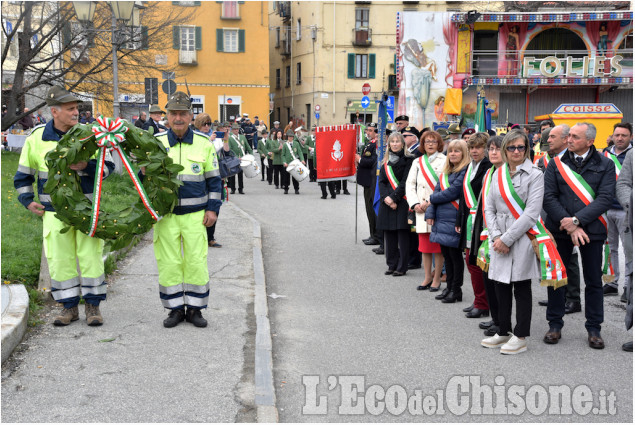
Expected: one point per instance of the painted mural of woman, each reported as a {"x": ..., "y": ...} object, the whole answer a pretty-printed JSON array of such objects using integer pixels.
[
  {"x": 438, "y": 108},
  {"x": 512, "y": 46},
  {"x": 422, "y": 75},
  {"x": 603, "y": 40}
]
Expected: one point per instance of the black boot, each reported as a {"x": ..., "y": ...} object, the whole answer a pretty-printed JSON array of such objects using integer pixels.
[
  {"x": 195, "y": 317},
  {"x": 175, "y": 317}
]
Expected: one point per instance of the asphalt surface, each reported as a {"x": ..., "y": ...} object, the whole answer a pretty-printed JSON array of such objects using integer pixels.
[
  {"x": 132, "y": 369},
  {"x": 334, "y": 314}
]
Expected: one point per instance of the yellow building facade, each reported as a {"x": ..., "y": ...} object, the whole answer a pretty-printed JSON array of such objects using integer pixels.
[{"x": 218, "y": 50}]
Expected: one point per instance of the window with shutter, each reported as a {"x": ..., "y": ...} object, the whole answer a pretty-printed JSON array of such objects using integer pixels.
[
  {"x": 230, "y": 37},
  {"x": 351, "y": 65},
  {"x": 371, "y": 65},
  {"x": 230, "y": 10}
]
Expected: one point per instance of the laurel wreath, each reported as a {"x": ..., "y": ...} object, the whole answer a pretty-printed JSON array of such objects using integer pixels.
[{"x": 73, "y": 208}]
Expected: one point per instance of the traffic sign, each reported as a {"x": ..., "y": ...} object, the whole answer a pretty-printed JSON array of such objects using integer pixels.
[
  {"x": 366, "y": 89},
  {"x": 390, "y": 109},
  {"x": 317, "y": 115},
  {"x": 317, "y": 108},
  {"x": 365, "y": 102},
  {"x": 169, "y": 87}
]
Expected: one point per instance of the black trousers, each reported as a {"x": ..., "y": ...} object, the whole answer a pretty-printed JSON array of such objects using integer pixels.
[
  {"x": 312, "y": 170},
  {"x": 262, "y": 165},
  {"x": 331, "y": 186},
  {"x": 522, "y": 294},
  {"x": 286, "y": 180},
  {"x": 492, "y": 300},
  {"x": 414, "y": 256},
  {"x": 270, "y": 171},
  {"x": 573, "y": 278},
  {"x": 397, "y": 246},
  {"x": 340, "y": 184},
  {"x": 277, "y": 174},
  {"x": 211, "y": 229},
  {"x": 454, "y": 266},
  {"x": 231, "y": 181},
  {"x": 591, "y": 254},
  {"x": 369, "y": 194}
]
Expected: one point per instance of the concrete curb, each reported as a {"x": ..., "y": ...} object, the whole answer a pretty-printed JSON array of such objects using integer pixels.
[
  {"x": 265, "y": 394},
  {"x": 14, "y": 318}
]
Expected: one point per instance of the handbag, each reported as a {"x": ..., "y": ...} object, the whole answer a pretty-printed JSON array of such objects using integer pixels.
[{"x": 228, "y": 164}]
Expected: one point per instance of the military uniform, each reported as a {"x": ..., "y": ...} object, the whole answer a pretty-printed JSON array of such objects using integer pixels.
[
  {"x": 262, "y": 150},
  {"x": 240, "y": 146},
  {"x": 290, "y": 151},
  {"x": 274, "y": 150},
  {"x": 63, "y": 250},
  {"x": 180, "y": 239}
]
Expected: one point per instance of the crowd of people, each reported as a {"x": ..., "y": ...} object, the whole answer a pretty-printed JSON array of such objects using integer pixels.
[
  {"x": 493, "y": 204},
  {"x": 516, "y": 209}
]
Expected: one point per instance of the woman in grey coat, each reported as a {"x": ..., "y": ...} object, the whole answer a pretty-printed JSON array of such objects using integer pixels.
[
  {"x": 624, "y": 194},
  {"x": 513, "y": 262}
]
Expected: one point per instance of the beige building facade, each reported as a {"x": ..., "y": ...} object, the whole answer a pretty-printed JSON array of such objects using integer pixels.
[{"x": 322, "y": 53}]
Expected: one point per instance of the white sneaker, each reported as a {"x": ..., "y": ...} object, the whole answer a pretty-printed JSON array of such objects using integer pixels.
[
  {"x": 514, "y": 346},
  {"x": 495, "y": 341}
]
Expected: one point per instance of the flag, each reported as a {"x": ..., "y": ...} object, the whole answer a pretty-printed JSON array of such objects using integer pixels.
[
  {"x": 480, "y": 119},
  {"x": 335, "y": 148},
  {"x": 381, "y": 128}
]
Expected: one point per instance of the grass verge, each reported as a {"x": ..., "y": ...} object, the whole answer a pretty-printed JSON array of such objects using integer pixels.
[{"x": 22, "y": 231}]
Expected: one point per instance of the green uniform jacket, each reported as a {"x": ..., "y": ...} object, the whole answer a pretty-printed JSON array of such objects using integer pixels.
[
  {"x": 310, "y": 142},
  {"x": 263, "y": 147},
  {"x": 234, "y": 145},
  {"x": 275, "y": 146},
  {"x": 287, "y": 157},
  {"x": 303, "y": 146}
]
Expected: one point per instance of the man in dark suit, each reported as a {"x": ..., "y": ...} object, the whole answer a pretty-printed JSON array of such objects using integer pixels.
[
  {"x": 576, "y": 220},
  {"x": 366, "y": 176},
  {"x": 479, "y": 165}
]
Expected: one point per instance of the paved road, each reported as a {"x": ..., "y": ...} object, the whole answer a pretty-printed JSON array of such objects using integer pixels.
[
  {"x": 338, "y": 315},
  {"x": 132, "y": 369}
]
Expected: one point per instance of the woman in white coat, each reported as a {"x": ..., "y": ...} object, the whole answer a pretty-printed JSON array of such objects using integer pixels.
[
  {"x": 512, "y": 207},
  {"x": 422, "y": 178}
]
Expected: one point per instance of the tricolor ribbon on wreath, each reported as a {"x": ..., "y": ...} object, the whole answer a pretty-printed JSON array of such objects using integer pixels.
[
  {"x": 583, "y": 191},
  {"x": 109, "y": 133}
]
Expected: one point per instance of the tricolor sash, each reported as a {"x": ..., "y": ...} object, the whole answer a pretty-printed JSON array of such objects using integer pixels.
[
  {"x": 428, "y": 172},
  {"x": 618, "y": 166},
  {"x": 444, "y": 184},
  {"x": 552, "y": 270},
  {"x": 470, "y": 200},
  {"x": 482, "y": 259},
  {"x": 583, "y": 191},
  {"x": 544, "y": 158},
  {"x": 392, "y": 179}
]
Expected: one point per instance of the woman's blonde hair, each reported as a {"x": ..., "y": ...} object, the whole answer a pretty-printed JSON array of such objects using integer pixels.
[
  {"x": 456, "y": 145},
  {"x": 399, "y": 136},
  {"x": 201, "y": 119}
]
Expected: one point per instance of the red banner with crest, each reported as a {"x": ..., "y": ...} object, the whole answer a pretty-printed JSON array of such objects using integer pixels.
[{"x": 335, "y": 148}]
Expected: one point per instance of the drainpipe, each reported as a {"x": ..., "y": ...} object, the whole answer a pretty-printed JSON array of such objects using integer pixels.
[{"x": 333, "y": 59}]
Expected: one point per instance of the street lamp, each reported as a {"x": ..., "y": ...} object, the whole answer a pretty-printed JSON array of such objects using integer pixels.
[{"x": 122, "y": 11}]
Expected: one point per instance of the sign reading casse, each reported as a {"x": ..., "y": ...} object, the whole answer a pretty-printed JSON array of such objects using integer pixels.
[
  {"x": 597, "y": 108},
  {"x": 586, "y": 66}
]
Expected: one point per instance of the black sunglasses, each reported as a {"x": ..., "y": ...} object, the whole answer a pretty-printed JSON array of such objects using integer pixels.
[
  {"x": 516, "y": 148},
  {"x": 207, "y": 123}
]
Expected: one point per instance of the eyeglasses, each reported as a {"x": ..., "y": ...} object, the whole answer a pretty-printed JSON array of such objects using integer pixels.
[
  {"x": 516, "y": 148},
  {"x": 207, "y": 123},
  {"x": 494, "y": 149},
  {"x": 430, "y": 142}
]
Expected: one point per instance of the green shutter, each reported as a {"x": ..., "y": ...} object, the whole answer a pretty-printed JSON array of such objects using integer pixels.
[
  {"x": 351, "y": 65},
  {"x": 197, "y": 3},
  {"x": 371, "y": 65},
  {"x": 67, "y": 36},
  {"x": 199, "y": 38},
  {"x": 220, "y": 43},
  {"x": 144, "y": 37},
  {"x": 176, "y": 37},
  {"x": 241, "y": 41}
]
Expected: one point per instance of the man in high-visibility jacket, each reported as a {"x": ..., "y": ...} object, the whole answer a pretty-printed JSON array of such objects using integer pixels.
[
  {"x": 63, "y": 249},
  {"x": 180, "y": 238}
]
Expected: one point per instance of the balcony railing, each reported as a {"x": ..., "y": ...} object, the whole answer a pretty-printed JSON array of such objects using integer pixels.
[
  {"x": 187, "y": 57},
  {"x": 535, "y": 63},
  {"x": 362, "y": 36},
  {"x": 286, "y": 47}
]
